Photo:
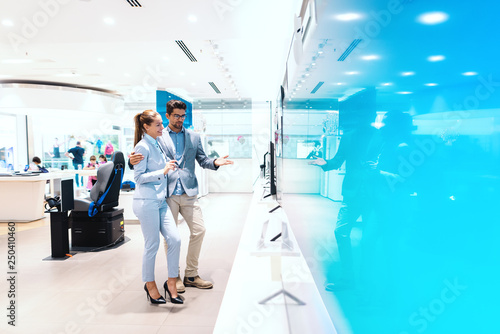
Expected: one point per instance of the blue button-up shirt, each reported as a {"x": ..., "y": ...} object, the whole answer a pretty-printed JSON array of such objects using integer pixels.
[{"x": 178, "y": 140}]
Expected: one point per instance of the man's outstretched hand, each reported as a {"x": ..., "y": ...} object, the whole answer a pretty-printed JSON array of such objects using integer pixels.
[
  {"x": 223, "y": 161},
  {"x": 318, "y": 162}
]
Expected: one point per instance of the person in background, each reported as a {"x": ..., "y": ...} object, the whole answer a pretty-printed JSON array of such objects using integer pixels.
[
  {"x": 98, "y": 143},
  {"x": 56, "y": 149},
  {"x": 184, "y": 146},
  {"x": 91, "y": 165},
  {"x": 109, "y": 150},
  {"x": 78, "y": 152},
  {"x": 149, "y": 205},
  {"x": 102, "y": 159},
  {"x": 36, "y": 165}
]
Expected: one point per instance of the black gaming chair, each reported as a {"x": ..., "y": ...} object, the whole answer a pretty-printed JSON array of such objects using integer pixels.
[{"x": 94, "y": 220}]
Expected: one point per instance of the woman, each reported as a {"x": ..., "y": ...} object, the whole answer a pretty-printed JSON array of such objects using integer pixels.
[
  {"x": 149, "y": 205},
  {"x": 91, "y": 165}
]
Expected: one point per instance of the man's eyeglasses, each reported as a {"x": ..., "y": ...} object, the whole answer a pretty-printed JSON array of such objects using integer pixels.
[{"x": 179, "y": 116}]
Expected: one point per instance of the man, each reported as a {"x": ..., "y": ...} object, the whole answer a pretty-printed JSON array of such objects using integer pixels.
[
  {"x": 184, "y": 145},
  {"x": 78, "y": 152},
  {"x": 358, "y": 149}
]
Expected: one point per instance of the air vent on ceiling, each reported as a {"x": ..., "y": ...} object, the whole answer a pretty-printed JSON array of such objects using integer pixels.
[
  {"x": 214, "y": 87},
  {"x": 349, "y": 49},
  {"x": 186, "y": 51},
  {"x": 318, "y": 86},
  {"x": 134, "y": 3}
]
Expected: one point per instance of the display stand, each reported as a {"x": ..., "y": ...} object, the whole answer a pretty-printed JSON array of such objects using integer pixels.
[
  {"x": 279, "y": 245},
  {"x": 59, "y": 220}
]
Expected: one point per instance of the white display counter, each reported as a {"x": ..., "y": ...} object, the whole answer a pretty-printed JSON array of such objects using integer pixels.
[{"x": 21, "y": 198}]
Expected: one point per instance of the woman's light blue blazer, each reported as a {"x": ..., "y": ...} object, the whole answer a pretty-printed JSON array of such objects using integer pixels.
[{"x": 148, "y": 174}]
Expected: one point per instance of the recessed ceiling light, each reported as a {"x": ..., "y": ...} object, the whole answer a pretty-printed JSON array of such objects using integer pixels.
[
  {"x": 370, "y": 57},
  {"x": 435, "y": 58},
  {"x": 407, "y": 74},
  {"x": 404, "y": 93},
  {"x": 430, "y": 84},
  {"x": 17, "y": 61},
  {"x": 7, "y": 23},
  {"x": 352, "y": 73},
  {"x": 432, "y": 18},
  {"x": 387, "y": 84},
  {"x": 469, "y": 73},
  {"x": 348, "y": 16},
  {"x": 339, "y": 83},
  {"x": 109, "y": 20},
  {"x": 192, "y": 18}
]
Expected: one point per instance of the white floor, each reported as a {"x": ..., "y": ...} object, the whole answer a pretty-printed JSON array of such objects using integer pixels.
[{"x": 102, "y": 292}]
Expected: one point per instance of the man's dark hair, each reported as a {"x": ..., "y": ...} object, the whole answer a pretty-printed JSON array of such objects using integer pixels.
[
  {"x": 175, "y": 104},
  {"x": 37, "y": 160}
]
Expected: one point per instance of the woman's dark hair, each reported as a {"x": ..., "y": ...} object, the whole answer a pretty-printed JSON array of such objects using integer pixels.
[
  {"x": 37, "y": 160},
  {"x": 175, "y": 104},
  {"x": 102, "y": 156},
  {"x": 145, "y": 117}
]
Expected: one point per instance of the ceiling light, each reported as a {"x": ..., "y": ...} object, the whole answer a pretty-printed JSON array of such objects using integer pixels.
[
  {"x": 339, "y": 83},
  {"x": 166, "y": 58},
  {"x": 101, "y": 60},
  {"x": 352, "y": 73},
  {"x": 404, "y": 93},
  {"x": 407, "y": 74},
  {"x": 17, "y": 61},
  {"x": 109, "y": 20},
  {"x": 7, "y": 23},
  {"x": 370, "y": 57},
  {"x": 468, "y": 74},
  {"x": 432, "y": 18},
  {"x": 192, "y": 18},
  {"x": 431, "y": 84},
  {"x": 126, "y": 74},
  {"x": 387, "y": 84},
  {"x": 435, "y": 58},
  {"x": 348, "y": 16}
]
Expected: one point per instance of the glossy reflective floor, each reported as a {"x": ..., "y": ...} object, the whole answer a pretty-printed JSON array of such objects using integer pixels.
[{"x": 102, "y": 292}]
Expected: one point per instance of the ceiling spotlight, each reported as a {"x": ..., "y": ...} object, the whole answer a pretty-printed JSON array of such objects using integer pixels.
[
  {"x": 7, "y": 23},
  {"x": 352, "y": 73},
  {"x": 435, "y": 58},
  {"x": 109, "y": 20},
  {"x": 348, "y": 17},
  {"x": 407, "y": 74},
  {"x": 370, "y": 57},
  {"x": 431, "y": 84},
  {"x": 432, "y": 18},
  {"x": 468, "y": 74},
  {"x": 404, "y": 93},
  {"x": 387, "y": 84}
]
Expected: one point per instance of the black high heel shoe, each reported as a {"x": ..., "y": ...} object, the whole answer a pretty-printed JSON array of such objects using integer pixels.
[
  {"x": 160, "y": 300},
  {"x": 174, "y": 300}
]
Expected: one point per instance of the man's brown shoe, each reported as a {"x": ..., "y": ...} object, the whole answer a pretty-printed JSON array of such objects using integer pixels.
[
  {"x": 180, "y": 287},
  {"x": 197, "y": 282}
]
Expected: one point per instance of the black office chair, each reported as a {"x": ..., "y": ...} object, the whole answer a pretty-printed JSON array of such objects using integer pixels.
[{"x": 95, "y": 221}]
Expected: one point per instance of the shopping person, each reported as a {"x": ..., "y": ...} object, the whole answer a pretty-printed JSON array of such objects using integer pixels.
[
  {"x": 78, "y": 152},
  {"x": 185, "y": 147},
  {"x": 150, "y": 207}
]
